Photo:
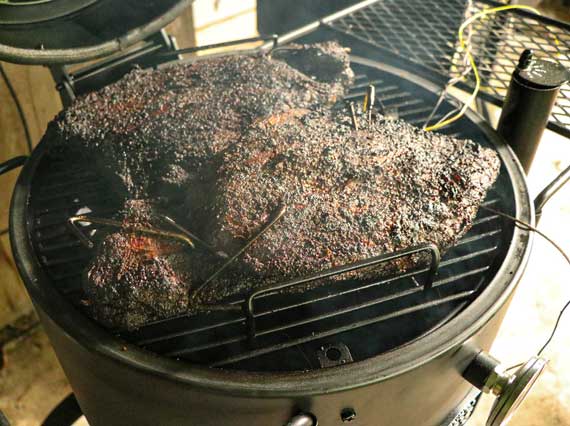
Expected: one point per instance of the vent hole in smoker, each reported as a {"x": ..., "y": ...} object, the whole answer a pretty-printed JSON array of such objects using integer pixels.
[{"x": 333, "y": 354}]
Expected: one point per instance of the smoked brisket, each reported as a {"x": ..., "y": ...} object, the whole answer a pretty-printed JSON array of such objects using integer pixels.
[
  {"x": 155, "y": 131},
  {"x": 223, "y": 143},
  {"x": 350, "y": 195}
]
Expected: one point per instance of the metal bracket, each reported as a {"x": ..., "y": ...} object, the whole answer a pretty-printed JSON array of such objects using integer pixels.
[
  {"x": 248, "y": 306},
  {"x": 73, "y": 83},
  {"x": 334, "y": 355},
  {"x": 155, "y": 50},
  {"x": 63, "y": 84},
  {"x": 274, "y": 38}
]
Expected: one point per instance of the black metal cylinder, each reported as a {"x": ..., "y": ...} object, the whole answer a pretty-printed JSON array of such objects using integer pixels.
[
  {"x": 480, "y": 369},
  {"x": 533, "y": 90}
]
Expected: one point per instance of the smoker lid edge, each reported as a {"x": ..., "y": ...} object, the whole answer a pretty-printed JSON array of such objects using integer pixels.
[{"x": 27, "y": 56}]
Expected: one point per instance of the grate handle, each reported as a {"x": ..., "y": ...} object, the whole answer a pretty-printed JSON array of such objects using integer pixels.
[
  {"x": 548, "y": 192},
  {"x": 433, "y": 250}
]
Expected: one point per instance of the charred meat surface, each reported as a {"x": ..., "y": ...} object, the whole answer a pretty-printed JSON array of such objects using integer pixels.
[
  {"x": 155, "y": 131},
  {"x": 135, "y": 278},
  {"x": 223, "y": 143},
  {"x": 350, "y": 195}
]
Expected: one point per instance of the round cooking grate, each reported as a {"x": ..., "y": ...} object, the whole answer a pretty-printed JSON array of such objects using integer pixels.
[{"x": 294, "y": 331}]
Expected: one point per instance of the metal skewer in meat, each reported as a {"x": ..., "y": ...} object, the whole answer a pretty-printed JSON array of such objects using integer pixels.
[
  {"x": 369, "y": 102},
  {"x": 353, "y": 115},
  {"x": 136, "y": 277}
]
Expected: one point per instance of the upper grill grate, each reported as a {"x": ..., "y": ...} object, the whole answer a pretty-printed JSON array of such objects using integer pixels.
[{"x": 425, "y": 32}]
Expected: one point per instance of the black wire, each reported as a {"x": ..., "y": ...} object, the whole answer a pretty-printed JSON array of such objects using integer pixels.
[
  {"x": 18, "y": 107},
  {"x": 555, "y": 328},
  {"x": 12, "y": 163},
  {"x": 529, "y": 227}
]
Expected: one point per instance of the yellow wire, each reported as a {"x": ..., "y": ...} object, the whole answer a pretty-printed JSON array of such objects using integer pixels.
[{"x": 472, "y": 60}]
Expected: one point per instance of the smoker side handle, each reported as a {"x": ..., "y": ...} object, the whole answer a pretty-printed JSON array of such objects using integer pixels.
[{"x": 547, "y": 193}]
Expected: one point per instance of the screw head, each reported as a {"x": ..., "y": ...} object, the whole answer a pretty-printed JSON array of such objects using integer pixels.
[{"x": 348, "y": 415}]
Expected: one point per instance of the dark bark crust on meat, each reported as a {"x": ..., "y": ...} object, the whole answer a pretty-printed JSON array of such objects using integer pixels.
[
  {"x": 222, "y": 143},
  {"x": 350, "y": 195},
  {"x": 154, "y": 131},
  {"x": 136, "y": 278},
  {"x": 154, "y": 134}
]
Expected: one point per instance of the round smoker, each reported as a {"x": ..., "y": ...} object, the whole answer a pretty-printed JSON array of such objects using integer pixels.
[{"x": 401, "y": 366}]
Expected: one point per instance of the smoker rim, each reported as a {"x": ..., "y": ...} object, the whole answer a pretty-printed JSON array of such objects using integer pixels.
[
  {"x": 66, "y": 56},
  {"x": 89, "y": 335}
]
